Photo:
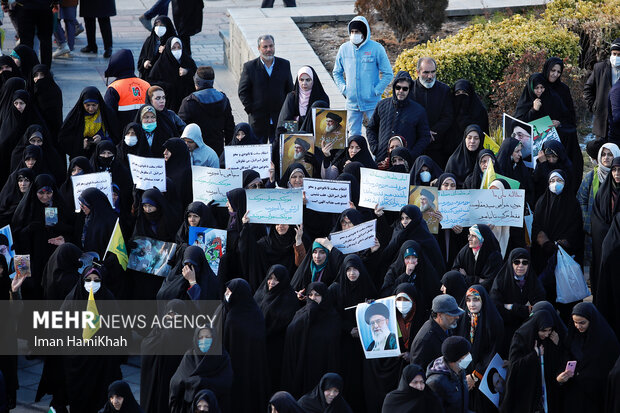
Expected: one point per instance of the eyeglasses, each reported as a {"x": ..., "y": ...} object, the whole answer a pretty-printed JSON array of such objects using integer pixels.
[
  {"x": 378, "y": 322},
  {"x": 522, "y": 262},
  {"x": 257, "y": 185},
  {"x": 403, "y": 88}
]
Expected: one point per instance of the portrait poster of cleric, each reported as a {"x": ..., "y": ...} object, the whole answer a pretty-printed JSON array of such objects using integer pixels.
[
  {"x": 378, "y": 329},
  {"x": 294, "y": 148},
  {"x": 523, "y": 133},
  {"x": 330, "y": 127}
]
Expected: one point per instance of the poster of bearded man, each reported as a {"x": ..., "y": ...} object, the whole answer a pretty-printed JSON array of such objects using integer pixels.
[{"x": 378, "y": 329}]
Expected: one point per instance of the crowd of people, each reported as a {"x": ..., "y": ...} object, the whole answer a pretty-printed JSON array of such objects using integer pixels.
[{"x": 290, "y": 339}]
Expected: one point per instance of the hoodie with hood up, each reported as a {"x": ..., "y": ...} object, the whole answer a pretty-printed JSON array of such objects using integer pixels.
[{"x": 357, "y": 68}]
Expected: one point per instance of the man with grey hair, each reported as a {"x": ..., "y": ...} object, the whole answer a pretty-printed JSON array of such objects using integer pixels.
[
  {"x": 436, "y": 98},
  {"x": 263, "y": 86}
]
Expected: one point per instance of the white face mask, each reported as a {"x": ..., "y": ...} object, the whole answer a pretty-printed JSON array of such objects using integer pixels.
[
  {"x": 95, "y": 285},
  {"x": 177, "y": 54},
  {"x": 425, "y": 176},
  {"x": 556, "y": 187},
  {"x": 404, "y": 306},
  {"x": 465, "y": 361},
  {"x": 131, "y": 140},
  {"x": 227, "y": 296},
  {"x": 615, "y": 60},
  {"x": 356, "y": 38},
  {"x": 160, "y": 30}
]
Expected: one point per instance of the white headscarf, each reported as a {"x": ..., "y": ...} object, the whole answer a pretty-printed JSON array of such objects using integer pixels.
[{"x": 603, "y": 171}]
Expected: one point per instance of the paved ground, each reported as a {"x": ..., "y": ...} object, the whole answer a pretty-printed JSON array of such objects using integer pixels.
[{"x": 79, "y": 71}]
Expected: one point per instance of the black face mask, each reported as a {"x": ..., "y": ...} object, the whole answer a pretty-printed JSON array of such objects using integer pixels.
[
  {"x": 106, "y": 162},
  {"x": 398, "y": 168},
  {"x": 152, "y": 216}
]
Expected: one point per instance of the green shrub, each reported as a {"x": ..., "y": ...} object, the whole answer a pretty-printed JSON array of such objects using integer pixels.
[{"x": 481, "y": 52}]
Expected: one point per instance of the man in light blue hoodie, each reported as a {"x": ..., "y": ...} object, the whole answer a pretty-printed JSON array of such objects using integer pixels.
[{"x": 362, "y": 71}]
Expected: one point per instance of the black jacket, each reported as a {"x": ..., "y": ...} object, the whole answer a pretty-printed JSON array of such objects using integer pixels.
[
  {"x": 210, "y": 109},
  {"x": 596, "y": 93},
  {"x": 438, "y": 104},
  {"x": 450, "y": 387},
  {"x": 187, "y": 16},
  {"x": 426, "y": 345},
  {"x": 393, "y": 117},
  {"x": 262, "y": 95}
]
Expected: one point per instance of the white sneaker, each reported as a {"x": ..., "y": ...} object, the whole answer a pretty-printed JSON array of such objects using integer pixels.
[{"x": 62, "y": 50}]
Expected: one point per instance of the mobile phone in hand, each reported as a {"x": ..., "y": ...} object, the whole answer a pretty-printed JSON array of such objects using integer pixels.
[{"x": 570, "y": 366}]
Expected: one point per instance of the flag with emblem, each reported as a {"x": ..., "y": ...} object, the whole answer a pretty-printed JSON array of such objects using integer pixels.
[{"x": 117, "y": 246}]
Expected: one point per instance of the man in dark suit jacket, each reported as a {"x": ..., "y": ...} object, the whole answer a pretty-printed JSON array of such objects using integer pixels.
[
  {"x": 436, "y": 98},
  {"x": 264, "y": 84},
  {"x": 596, "y": 89}
]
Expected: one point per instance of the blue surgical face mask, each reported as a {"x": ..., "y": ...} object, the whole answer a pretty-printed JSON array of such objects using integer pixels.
[
  {"x": 556, "y": 187},
  {"x": 149, "y": 127},
  {"x": 425, "y": 176},
  {"x": 204, "y": 344}
]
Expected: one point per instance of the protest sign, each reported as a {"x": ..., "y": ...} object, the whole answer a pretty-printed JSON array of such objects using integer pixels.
[
  {"x": 7, "y": 249},
  {"x": 100, "y": 180},
  {"x": 212, "y": 242},
  {"x": 378, "y": 329},
  {"x": 212, "y": 184},
  {"x": 467, "y": 207},
  {"x": 150, "y": 255},
  {"x": 493, "y": 382},
  {"x": 355, "y": 239},
  {"x": 327, "y": 196},
  {"x": 425, "y": 198},
  {"x": 542, "y": 131},
  {"x": 148, "y": 173},
  {"x": 330, "y": 126},
  {"x": 294, "y": 148},
  {"x": 275, "y": 206},
  {"x": 243, "y": 157},
  {"x": 513, "y": 127},
  {"x": 388, "y": 189}
]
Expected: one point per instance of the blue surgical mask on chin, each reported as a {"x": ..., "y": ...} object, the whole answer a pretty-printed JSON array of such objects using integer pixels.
[
  {"x": 204, "y": 344},
  {"x": 149, "y": 127}
]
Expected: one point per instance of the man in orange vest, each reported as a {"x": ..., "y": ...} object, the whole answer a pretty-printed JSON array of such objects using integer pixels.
[{"x": 127, "y": 93}]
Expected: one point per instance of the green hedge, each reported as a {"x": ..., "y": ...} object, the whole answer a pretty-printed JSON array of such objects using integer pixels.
[{"x": 480, "y": 52}]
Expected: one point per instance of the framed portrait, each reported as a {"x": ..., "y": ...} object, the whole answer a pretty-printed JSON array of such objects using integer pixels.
[
  {"x": 426, "y": 198},
  {"x": 330, "y": 126},
  {"x": 294, "y": 148}
]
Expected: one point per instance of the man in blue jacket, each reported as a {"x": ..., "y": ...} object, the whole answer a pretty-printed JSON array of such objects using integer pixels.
[
  {"x": 362, "y": 71},
  {"x": 399, "y": 115}
]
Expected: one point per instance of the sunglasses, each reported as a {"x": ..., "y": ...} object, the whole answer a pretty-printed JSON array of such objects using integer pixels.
[
  {"x": 522, "y": 262},
  {"x": 403, "y": 88}
]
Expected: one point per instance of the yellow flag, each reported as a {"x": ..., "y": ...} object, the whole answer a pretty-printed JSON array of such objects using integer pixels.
[
  {"x": 490, "y": 144},
  {"x": 89, "y": 332},
  {"x": 117, "y": 246},
  {"x": 488, "y": 176}
]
